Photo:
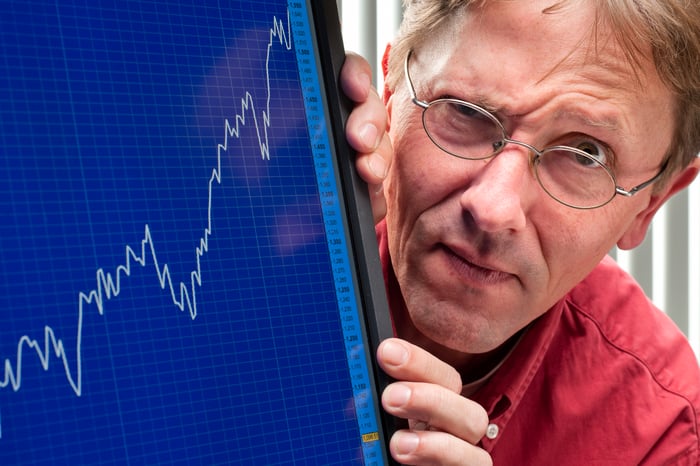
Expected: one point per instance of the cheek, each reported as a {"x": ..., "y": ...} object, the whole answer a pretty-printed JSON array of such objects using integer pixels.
[
  {"x": 409, "y": 177},
  {"x": 573, "y": 243},
  {"x": 411, "y": 187},
  {"x": 421, "y": 174}
]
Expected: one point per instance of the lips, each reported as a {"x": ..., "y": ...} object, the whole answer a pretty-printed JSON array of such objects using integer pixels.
[{"x": 468, "y": 270}]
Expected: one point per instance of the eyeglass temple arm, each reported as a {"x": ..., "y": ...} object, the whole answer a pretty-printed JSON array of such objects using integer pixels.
[
  {"x": 636, "y": 189},
  {"x": 409, "y": 83}
]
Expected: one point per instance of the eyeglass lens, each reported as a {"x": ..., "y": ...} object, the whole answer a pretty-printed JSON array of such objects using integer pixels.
[{"x": 571, "y": 176}]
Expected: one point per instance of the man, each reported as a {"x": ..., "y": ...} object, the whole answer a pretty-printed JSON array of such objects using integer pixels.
[{"x": 524, "y": 140}]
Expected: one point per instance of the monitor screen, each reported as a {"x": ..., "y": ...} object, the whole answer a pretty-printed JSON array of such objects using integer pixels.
[{"x": 182, "y": 279}]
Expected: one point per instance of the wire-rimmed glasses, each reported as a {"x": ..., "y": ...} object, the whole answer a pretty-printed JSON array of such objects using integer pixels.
[{"x": 573, "y": 176}]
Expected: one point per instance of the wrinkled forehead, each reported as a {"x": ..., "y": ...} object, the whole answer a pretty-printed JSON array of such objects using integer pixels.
[
  {"x": 583, "y": 31},
  {"x": 529, "y": 58}
]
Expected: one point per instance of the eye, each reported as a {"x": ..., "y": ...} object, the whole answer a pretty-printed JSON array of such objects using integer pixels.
[
  {"x": 462, "y": 129},
  {"x": 595, "y": 149},
  {"x": 465, "y": 117},
  {"x": 465, "y": 110}
]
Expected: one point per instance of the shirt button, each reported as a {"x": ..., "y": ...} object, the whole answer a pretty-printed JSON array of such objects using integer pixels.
[{"x": 492, "y": 431}]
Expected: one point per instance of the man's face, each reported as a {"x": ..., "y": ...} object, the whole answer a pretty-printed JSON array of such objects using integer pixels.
[{"x": 479, "y": 249}]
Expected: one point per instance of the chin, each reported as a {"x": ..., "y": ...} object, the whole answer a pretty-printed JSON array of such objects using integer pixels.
[{"x": 470, "y": 334}]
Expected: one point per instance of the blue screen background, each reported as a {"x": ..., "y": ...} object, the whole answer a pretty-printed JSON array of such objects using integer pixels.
[{"x": 166, "y": 287}]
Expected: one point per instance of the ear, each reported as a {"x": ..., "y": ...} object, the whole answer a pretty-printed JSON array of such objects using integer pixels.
[
  {"x": 389, "y": 107},
  {"x": 637, "y": 230}
]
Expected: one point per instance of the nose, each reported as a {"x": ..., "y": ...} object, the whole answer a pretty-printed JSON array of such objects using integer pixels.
[{"x": 500, "y": 191}]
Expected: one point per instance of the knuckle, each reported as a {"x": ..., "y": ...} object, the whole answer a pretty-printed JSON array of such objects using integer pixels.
[{"x": 445, "y": 410}]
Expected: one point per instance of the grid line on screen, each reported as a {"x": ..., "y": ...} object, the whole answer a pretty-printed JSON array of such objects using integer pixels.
[{"x": 166, "y": 272}]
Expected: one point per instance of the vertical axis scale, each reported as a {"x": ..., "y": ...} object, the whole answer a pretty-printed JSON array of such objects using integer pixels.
[{"x": 331, "y": 206}]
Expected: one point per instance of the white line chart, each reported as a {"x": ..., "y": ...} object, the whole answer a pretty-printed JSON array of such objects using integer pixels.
[{"x": 109, "y": 284}]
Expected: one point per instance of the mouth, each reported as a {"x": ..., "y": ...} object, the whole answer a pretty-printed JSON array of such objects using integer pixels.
[{"x": 472, "y": 272}]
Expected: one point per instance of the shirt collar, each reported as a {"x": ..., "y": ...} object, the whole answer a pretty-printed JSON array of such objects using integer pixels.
[{"x": 502, "y": 393}]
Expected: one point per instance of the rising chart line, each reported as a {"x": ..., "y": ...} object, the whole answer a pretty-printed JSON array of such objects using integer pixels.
[{"x": 109, "y": 284}]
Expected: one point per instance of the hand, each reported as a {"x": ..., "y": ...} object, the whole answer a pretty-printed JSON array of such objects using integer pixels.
[
  {"x": 366, "y": 129},
  {"x": 444, "y": 426}
]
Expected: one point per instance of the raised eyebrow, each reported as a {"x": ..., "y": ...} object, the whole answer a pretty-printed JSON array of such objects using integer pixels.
[{"x": 610, "y": 124}]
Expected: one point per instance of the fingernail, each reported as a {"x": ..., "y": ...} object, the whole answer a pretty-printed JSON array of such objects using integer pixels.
[
  {"x": 406, "y": 442},
  {"x": 377, "y": 165},
  {"x": 370, "y": 136},
  {"x": 397, "y": 395},
  {"x": 394, "y": 353}
]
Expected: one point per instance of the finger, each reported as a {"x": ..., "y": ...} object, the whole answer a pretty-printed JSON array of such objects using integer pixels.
[
  {"x": 366, "y": 129},
  {"x": 367, "y": 123},
  {"x": 366, "y": 126},
  {"x": 405, "y": 361},
  {"x": 356, "y": 77},
  {"x": 372, "y": 165},
  {"x": 373, "y": 168},
  {"x": 437, "y": 407},
  {"x": 435, "y": 448}
]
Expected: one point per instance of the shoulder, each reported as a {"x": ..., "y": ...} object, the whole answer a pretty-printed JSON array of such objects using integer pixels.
[
  {"x": 611, "y": 300},
  {"x": 631, "y": 342}
]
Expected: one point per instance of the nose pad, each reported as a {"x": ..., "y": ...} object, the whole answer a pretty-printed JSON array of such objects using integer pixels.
[{"x": 498, "y": 146}]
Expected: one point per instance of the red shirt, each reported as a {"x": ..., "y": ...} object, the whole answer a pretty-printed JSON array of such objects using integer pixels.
[{"x": 602, "y": 378}]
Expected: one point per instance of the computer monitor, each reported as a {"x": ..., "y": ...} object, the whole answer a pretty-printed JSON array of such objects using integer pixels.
[{"x": 189, "y": 268}]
